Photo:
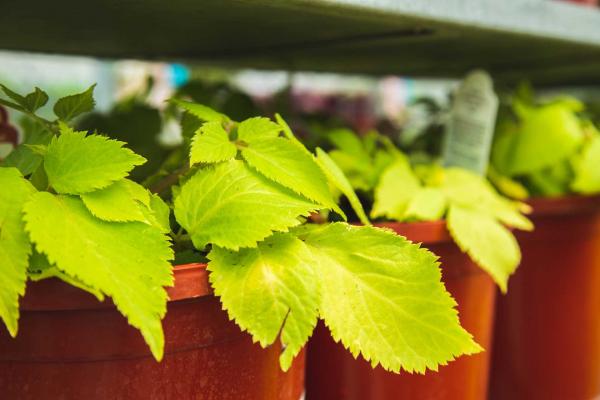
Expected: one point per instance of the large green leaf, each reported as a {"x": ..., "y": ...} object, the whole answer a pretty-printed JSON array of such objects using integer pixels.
[
  {"x": 76, "y": 163},
  {"x": 397, "y": 186},
  {"x": 545, "y": 136},
  {"x": 40, "y": 269},
  {"x": 232, "y": 206},
  {"x": 14, "y": 245},
  {"x": 211, "y": 144},
  {"x": 382, "y": 296},
  {"x": 122, "y": 201},
  {"x": 69, "y": 107},
  {"x": 337, "y": 178},
  {"x": 127, "y": 261},
  {"x": 285, "y": 163},
  {"x": 268, "y": 290},
  {"x": 258, "y": 128},
  {"x": 587, "y": 168},
  {"x": 492, "y": 246}
]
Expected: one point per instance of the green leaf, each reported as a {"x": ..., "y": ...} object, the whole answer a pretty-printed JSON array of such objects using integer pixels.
[
  {"x": 285, "y": 163},
  {"x": 201, "y": 112},
  {"x": 587, "y": 168},
  {"x": 382, "y": 296},
  {"x": 428, "y": 204},
  {"x": 268, "y": 290},
  {"x": 359, "y": 172},
  {"x": 337, "y": 178},
  {"x": 122, "y": 201},
  {"x": 16, "y": 97},
  {"x": 507, "y": 186},
  {"x": 545, "y": 183},
  {"x": 36, "y": 100},
  {"x": 492, "y": 246},
  {"x": 31, "y": 102},
  {"x": 348, "y": 142},
  {"x": 76, "y": 163},
  {"x": 395, "y": 190},
  {"x": 126, "y": 261},
  {"x": 189, "y": 125},
  {"x": 39, "y": 179},
  {"x": 258, "y": 128},
  {"x": 211, "y": 144},
  {"x": 39, "y": 149},
  {"x": 14, "y": 245},
  {"x": 10, "y": 104},
  {"x": 40, "y": 269},
  {"x": 287, "y": 131},
  {"x": 232, "y": 206},
  {"x": 466, "y": 189},
  {"x": 72, "y": 106},
  {"x": 160, "y": 212},
  {"x": 545, "y": 136},
  {"x": 24, "y": 158}
]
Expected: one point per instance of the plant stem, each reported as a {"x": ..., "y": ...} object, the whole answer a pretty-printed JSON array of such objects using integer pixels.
[{"x": 169, "y": 180}]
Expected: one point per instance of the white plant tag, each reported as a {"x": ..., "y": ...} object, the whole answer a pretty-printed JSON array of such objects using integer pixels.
[{"x": 471, "y": 122}]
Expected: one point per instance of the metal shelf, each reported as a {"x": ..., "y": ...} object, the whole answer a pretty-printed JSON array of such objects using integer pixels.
[{"x": 549, "y": 41}]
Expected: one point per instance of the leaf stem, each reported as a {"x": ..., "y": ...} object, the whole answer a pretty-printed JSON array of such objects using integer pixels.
[{"x": 169, "y": 180}]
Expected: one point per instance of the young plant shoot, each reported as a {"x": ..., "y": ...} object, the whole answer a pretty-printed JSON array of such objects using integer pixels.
[
  {"x": 546, "y": 148},
  {"x": 477, "y": 217},
  {"x": 67, "y": 210},
  {"x": 243, "y": 199}
]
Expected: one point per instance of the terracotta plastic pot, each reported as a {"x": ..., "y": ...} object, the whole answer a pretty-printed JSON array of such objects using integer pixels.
[
  {"x": 547, "y": 343},
  {"x": 71, "y": 347},
  {"x": 334, "y": 374}
]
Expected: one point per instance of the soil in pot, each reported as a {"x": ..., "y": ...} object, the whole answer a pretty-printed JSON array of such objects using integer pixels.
[
  {"x": 72, "y": 347},
  {"x": 332, "y": 372},
  {"x": 547, "y": 339}
]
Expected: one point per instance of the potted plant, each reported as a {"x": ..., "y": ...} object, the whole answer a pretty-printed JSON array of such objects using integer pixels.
[
  {"x": 459, "y": 217},
  {"x": 547, "y": 343},
  {"x": 240, "y": 202}
]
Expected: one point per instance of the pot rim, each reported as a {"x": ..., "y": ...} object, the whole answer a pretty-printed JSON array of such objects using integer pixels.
[
  {"x": 425, "y": 232},
  {"x": 564, "y": 205},
  {"x": 191, "y": 282}
]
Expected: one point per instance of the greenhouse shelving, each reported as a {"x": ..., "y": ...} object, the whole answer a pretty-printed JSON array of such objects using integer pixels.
[{"x": 550, "y": 41}]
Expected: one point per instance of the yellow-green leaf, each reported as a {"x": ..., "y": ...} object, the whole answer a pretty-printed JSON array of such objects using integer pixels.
[
  {"x": 382, "y": 297},
  {"x": 211, "y": 144},
  {"x": 269, "y": 290},
  {"x": 128, "y": 261},
  {"x": 232, "y": 206},
  {"x": 492, "y": 246},
  {"x": 14, "y": 245}
]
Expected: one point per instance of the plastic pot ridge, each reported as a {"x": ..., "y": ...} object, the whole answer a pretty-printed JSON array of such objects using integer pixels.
[
  {"x": 547, "y": 339},
  {"x": 72, "y": 347}
]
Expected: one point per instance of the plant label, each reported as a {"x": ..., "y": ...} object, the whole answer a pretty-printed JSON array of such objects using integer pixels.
[{"x": 471, "y": 124}]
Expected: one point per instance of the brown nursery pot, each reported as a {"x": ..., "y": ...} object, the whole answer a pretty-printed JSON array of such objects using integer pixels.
[
  {"x": 333, "y": 373},
  {"x": 547, "y": 343},
  {"x": 72, "y": 347}
]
